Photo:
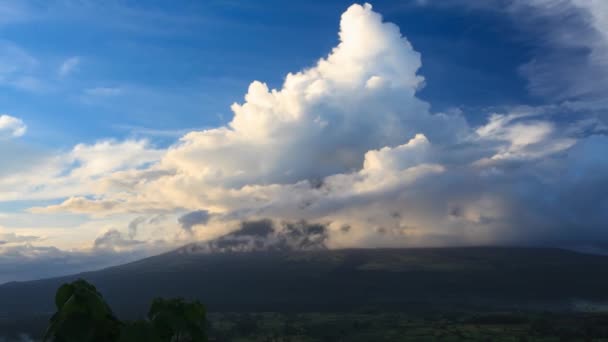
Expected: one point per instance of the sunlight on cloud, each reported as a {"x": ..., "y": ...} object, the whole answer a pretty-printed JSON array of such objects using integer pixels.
[
  {"x": 345, "y": 144},
  {"x": 352, "y": 111},
  {"x": 78, "y": 171},
  {"x": 11, "y": 127}
]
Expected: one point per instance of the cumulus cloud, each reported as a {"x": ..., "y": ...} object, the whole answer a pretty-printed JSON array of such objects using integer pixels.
[
  {"x": 343, "y": 154},
  {"x": 348, "y": 134},
  {"x": 323, "y": 119},
  {"x": 11, "y": 127},
  {"x": 321, "y": 123}
]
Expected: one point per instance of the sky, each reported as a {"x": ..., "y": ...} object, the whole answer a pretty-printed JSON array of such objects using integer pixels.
[{"x": 131, "y": 128}]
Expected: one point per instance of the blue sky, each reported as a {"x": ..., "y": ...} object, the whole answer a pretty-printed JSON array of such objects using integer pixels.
[
  {"x": 129, "y": 128},
  {"x": 144, "y": 67}
]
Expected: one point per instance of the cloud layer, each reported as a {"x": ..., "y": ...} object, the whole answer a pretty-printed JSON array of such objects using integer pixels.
[{"x": 343, "y": 154}]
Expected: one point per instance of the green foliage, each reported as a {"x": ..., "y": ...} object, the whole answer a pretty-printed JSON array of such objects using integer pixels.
[
  {"x": 83, "y": 316},
  {"x": 139, "y": 331},
  {"x": 178, "y": 319},
  {"x": 401, "y": 326}
]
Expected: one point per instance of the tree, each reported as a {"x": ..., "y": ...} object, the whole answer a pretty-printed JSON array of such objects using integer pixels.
[
  {"x": 177, "y": 321},
  {"x": 83, "y": 316},
  {"x": 139, "y": 331}
]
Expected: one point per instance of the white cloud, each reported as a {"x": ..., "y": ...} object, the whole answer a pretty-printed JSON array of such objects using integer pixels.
[
  {"x": 522, "y": 139},
  {"x": 346, "y": 143},
  {"x": 320, "y": 123},
  {"x": 330, "y": 140},
  {"x": 69, "y": 66},
  {"x": 323, "y": 119},
  {"x": 76, "y": 172},
  {"x": 11, "y": 127}
]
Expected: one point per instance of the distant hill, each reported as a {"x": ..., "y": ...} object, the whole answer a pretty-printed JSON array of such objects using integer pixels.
[{"x": 338, "y": 280}]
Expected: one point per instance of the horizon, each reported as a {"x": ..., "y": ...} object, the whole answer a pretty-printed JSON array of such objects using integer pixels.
[{"x": 135, "y": 128}]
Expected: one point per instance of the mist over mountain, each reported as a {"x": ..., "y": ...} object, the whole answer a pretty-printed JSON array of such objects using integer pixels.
[{"x": 265, "y": 236}]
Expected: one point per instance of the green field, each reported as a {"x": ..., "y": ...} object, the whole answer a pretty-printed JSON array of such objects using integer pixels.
[{"x": 373, "y": 326}]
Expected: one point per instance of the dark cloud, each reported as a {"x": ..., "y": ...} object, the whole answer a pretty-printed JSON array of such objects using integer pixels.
[
  {"x": 456, "y": 211},
  {"x": 316, "y": 182},
  {"x": 114, "y": 239},
  {"x": 156, "y": 218},
  {"x": 303, "y": 236},
  {"x": 14, "y": 238},
  {"x": 133, "y": 225},
  {"x": 191, "y": 219},
  {"x": 261, "y": 228},
  {"x": 266, "y": 235},
  {"x": 566, "y": 41}
]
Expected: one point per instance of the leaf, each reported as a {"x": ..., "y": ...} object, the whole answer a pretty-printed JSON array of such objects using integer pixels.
[{"x": 63, "y": 294}]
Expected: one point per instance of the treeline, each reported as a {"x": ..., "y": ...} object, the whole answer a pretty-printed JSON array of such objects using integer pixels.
[{"x": 84, "y": 316}]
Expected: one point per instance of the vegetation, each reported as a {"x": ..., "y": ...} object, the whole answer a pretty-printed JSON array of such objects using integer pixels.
[
  {"x": 393, "y": 326},
  {"x": 371, "y": 326},
  {"x": 83, "y": 316},
  {"x": 474, "y": 294},
  {"x": 413, "y": 280}
]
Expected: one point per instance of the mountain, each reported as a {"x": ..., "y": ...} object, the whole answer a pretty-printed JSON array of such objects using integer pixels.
[{"x": 338, "y": 280}]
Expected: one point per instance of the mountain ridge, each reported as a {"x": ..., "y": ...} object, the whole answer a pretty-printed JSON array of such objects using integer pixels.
[{"x": 337, "y": 280}]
